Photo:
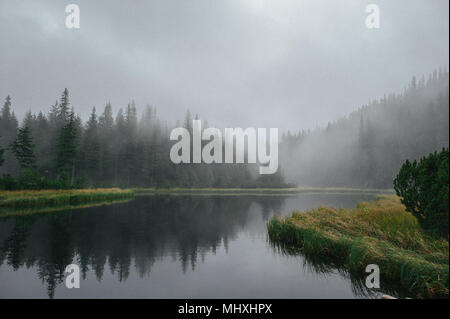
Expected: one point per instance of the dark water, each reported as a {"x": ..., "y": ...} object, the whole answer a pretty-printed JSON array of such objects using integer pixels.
[{"x": 168, "y": 247}]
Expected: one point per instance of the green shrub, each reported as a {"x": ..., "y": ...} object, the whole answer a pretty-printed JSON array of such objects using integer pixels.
[{"x": 423, "y": 188}]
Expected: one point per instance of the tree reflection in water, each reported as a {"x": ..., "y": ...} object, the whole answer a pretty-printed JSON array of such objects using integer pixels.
[
  {"x": 151, "y": 229},
  {"x": 143, "y": 231}
]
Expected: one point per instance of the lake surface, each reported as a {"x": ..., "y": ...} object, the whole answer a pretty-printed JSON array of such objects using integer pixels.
[{"x": 168, "y": 247}]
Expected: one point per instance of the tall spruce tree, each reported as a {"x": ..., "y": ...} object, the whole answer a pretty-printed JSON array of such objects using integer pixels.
[
  {"x": 64, "y": 111},
  {"x": 91, "y": 148},
  {"x": 106, "y": 141},
  {"x": 6, "y": 109},
  {"x": 129, "y": 152},
  {"x": 23, "y": 148},
  {"x": 8, "y": 121},
  {"x": 67, "y": 148},
  {"x": 2, "y": 151}
]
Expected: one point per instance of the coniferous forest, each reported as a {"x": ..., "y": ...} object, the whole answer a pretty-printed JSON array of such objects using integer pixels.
[
  {"x": 58, "y": 150},
  {"x": 224, "y": 150},
  {"x": 365, "y": 149}
]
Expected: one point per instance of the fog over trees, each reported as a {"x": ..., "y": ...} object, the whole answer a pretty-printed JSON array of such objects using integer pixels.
[
  {"x": 365, "y": 149},
  {"x": 109, "y": 150}
]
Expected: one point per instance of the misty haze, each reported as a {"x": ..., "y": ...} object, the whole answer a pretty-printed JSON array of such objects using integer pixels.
[{"x": 98, "y": 134}]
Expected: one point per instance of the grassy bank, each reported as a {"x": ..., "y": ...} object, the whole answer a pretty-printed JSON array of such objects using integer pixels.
[
  {"x": 50, "y": 199},
  {"x": 251, "y": 191},
  {"x": 380, "y": 232}
]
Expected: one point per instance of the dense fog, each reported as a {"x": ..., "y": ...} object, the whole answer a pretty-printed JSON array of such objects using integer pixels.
[
  {"x": 134, "y": 73},
  {"x": 367, "y": 148}
]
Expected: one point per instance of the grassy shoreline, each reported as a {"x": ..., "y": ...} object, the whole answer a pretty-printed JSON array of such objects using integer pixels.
[
  {"x": 13, "y": 202},
  {"x": 380, "y": 232}
]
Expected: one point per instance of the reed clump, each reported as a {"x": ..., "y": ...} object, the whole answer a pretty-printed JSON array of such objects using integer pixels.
[{"x": 379, "y": 232}]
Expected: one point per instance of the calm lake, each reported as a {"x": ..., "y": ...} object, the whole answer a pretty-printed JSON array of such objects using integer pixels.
[{"x": 169, "y": 247}]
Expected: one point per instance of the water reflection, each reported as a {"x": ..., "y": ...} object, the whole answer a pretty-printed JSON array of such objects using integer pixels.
[
  {"x": 326, "y": 267},
  {"x": 150, "y": 229},
  {"x": 143, "y": 230}
]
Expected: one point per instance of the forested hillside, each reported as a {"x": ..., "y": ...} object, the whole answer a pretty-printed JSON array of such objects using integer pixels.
[
  {"x": 367, "y": 148},
  {"x": 108, "y": 150}
]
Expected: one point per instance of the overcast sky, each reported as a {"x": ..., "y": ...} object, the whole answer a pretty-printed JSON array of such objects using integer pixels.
[{"x": 291, "y": 64}]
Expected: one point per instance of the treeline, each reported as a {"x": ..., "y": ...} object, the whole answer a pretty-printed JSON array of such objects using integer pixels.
[
  {"x": 367, "y": 148},
  {"x": 58, "y": 150}
]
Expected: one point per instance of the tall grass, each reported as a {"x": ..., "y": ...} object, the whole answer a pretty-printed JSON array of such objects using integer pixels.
[
  {"x": 18, "y": 200},
  {"x": 380, "y": 232}
]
